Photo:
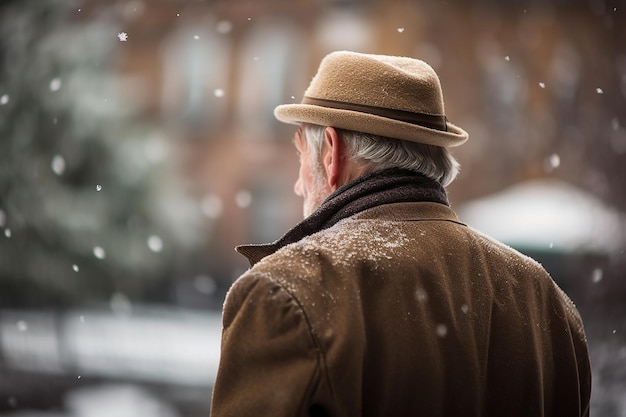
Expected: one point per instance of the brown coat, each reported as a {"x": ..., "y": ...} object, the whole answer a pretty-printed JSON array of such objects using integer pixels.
[{"x": 400, "y": 310}]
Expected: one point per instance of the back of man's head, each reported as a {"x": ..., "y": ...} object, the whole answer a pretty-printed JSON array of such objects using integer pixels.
[{"x": 375, "y": 153}]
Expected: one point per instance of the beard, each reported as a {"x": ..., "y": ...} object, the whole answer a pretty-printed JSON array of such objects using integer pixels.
[{"x": 319, "y": 191}]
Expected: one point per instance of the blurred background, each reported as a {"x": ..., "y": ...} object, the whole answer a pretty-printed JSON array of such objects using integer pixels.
[{"x": 138, "y": 147}]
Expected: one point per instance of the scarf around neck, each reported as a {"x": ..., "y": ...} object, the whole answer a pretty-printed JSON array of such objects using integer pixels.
[{"x": 368, "y": 191}]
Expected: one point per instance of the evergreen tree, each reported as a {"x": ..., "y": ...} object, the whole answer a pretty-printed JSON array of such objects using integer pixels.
[{"x": 90, "y": 201}]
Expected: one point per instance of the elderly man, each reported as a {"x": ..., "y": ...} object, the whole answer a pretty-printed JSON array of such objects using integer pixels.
[{"x": 382, "y": 302}]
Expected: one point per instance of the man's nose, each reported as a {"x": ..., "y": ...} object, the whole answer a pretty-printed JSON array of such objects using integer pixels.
[{"x": 297, "y": 188}]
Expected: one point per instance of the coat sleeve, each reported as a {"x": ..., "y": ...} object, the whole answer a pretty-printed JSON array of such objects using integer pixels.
[{"x": 269, "y": 364}]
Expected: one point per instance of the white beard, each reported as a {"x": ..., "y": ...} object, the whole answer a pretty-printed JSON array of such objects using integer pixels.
[{"x": 318, "y": 194}]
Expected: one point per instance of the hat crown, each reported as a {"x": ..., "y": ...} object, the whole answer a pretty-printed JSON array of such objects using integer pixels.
[
  {"x": 389, "y": 96},
  {"x": 390, "y": 82}
]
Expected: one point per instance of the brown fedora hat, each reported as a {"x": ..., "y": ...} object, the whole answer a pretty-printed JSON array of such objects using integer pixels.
[{"x": 390, "y": 96}]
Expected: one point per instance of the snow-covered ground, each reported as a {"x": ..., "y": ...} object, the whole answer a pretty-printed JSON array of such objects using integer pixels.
[{"x": 100, "y": 362}]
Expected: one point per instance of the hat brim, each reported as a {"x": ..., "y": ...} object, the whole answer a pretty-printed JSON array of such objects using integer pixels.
[{"x": 370, "y": 123}]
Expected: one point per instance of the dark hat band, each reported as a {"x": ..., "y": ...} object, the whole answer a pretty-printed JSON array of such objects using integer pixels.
[{"x": 431, "y": 121}]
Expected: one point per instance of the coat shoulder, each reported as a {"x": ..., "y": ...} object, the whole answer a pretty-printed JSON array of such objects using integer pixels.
[{"x": 258, "y": 289}]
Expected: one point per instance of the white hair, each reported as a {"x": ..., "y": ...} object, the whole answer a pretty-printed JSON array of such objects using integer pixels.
[{"x": 376, "y": 153}]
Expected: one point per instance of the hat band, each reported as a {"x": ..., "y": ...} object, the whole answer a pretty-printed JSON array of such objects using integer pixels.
[{"x": 431, "y": 121}]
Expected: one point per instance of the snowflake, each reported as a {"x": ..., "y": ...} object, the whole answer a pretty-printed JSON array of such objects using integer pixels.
[{"x": 123, "y": 36}]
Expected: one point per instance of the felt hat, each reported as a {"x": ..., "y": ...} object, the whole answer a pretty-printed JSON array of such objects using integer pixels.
[{"x": 390, "y": 96}]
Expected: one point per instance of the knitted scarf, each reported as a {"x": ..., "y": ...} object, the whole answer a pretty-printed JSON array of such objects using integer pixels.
[{"x": 375, "y": 189}]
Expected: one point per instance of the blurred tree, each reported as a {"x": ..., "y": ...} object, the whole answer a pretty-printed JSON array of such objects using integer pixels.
[{"x": 90, "y": 201}]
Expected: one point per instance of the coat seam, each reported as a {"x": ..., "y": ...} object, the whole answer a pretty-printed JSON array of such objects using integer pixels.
[{"x": 321, "y": 361}]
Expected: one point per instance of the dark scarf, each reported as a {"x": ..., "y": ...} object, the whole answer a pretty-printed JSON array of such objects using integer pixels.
[{"x": 375, "y": 189}]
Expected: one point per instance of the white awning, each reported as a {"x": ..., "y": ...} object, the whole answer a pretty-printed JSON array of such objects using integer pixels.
[{"x": 547, "y": 214}]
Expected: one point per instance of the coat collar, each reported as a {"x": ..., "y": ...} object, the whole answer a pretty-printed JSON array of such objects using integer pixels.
[{"x": 369, "y": 194}]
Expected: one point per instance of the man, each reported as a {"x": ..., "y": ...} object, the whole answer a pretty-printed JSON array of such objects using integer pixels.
[{"x": 382, "y": 302}]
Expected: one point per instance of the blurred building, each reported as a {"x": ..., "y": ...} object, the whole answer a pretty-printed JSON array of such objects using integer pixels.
[{"x": 540, "y": 86}]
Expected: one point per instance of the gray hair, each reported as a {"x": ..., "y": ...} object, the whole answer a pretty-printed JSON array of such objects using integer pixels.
[{"x": 376, "y": 153}]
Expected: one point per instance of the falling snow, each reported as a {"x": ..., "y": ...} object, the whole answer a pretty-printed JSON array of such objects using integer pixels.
[
  {"x": 211, "y": 206},
  {"x": 155, "y": 243},
  {"x": 99, "y": 252},
  {"x": 552, "y": 162},
  {"x": 55, "y": 84},
  {"x": 223, "y": 27},
  {"x": 555, "y": 160},
  {"x": 243, "y": 198},
  {"x": 58, "y": 165},
  {"x": 22, "y": 326},
  {"x": 596, "y": 275}
]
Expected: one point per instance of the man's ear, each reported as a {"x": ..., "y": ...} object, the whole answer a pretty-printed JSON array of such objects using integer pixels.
[{"x": 333, "y": 158}]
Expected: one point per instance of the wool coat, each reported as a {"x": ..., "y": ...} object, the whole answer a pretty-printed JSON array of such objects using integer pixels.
[{"x": 396, "y": 308}]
